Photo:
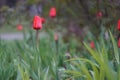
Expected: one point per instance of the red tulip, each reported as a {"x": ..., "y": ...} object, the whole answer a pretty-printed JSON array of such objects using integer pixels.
[
  {"x": 92, "y": 45},
  {"x": 43, "y": 20},
  {"x": 37, "y": 23},
  {"x": 19, "y": 27},
  {"x": 119, "y": 42},
  {"x": 118, "y": 26},
  {"x": 99, "y": 14},
  {"x": 52, "y": 12},
  {"x": 56, "y": 37}
]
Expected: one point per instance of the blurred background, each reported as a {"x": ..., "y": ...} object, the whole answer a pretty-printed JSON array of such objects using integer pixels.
[{"x": 74, "y": 17}]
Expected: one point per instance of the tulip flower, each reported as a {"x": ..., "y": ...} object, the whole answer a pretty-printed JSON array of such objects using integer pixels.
[
  {"x": 19, "y": 27},
  {"x": 92, "y": 45},
  {"x": 119, "y": 43},
  {"x": 99, "y": 14},
  {"x": 118, "y": 26},
  {"x": 43, "y": 20},
  {"x": 37, "y": 23},
  {"x": 56, "y": 37},
  {"x": 52, "y": 12}
]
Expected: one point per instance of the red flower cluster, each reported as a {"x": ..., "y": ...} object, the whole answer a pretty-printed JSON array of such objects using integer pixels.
[{"x": 38, "y": 21}]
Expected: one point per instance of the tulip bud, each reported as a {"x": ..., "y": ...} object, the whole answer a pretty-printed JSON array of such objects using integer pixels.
[
  {"x": 37, "y": 23},
  {"x": 52, "y": 12},
  {"x": 43, "y": 20},
  {"x": 92, "y": 45},
  {"x": 56, "y": 37},
  {"x": 118, "y": 26},
  {"x": 19, "y": 27}
]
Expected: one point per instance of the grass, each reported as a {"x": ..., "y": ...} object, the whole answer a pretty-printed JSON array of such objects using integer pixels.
[
  {"x": 102, "y": 64},
  {"x": 21, "y": 60}
]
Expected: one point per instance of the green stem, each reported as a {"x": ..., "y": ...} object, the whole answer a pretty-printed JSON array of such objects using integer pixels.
[
  {"x": 37, "y": 38},
  {"x": 56, "y": 47},
  {"x": 57, "y": 59}
]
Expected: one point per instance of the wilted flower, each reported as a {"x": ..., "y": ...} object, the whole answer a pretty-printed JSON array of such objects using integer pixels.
[
  {"x": 52, "y": 12},
  {"x": 118, "y": 26},
  {"x": 19, "y": 27},
  {"x": 37, "y": 23},
  {"x": 92, "y": 45}
]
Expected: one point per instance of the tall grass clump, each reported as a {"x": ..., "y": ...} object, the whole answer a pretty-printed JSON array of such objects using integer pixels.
[{"x": 102, "y": 64}]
